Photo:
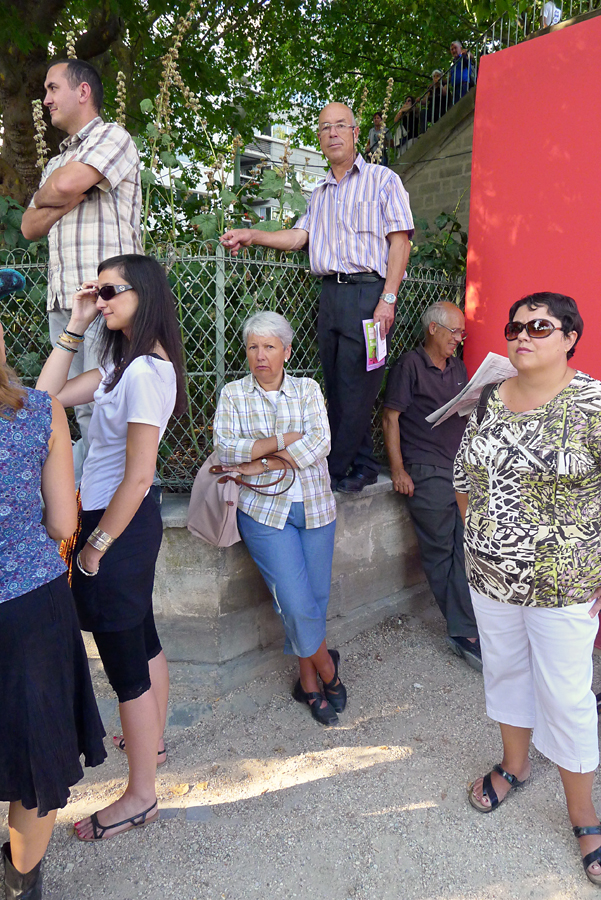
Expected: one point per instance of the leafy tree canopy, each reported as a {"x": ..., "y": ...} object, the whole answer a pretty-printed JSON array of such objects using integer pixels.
[{"x": 243, "y": 59}]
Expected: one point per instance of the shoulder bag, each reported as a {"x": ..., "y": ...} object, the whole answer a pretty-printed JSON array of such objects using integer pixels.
[{"x": 214, "y": 500}]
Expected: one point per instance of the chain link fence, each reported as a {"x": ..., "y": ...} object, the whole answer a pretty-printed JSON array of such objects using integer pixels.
[{"x": 215, "y": 293}]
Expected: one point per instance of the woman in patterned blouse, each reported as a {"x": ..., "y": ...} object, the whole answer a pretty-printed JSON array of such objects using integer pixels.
[
  {"x": 531, "y": 471},
  {"x": 290, "y": 536}
]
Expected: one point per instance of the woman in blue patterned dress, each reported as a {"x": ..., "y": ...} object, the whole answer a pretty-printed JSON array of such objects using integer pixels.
[
  {"x": 48, "y": 712},
  {"x": 531, "y": 471}
]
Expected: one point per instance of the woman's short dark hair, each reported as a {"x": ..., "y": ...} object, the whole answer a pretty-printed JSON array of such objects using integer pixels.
[
  {"x": 155, "y": 321},
  {"x": 560, "y": 307}
]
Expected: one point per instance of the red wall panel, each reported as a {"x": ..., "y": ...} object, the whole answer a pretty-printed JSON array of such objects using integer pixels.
[{"x": 535, "y": 209}]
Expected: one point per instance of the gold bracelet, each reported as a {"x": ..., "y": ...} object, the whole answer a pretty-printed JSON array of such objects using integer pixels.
[
  {"x": 70, "y": 338},
  {"x": 100, "y": 540}
]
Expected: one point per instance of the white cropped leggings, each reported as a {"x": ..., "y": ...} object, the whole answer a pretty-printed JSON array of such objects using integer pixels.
[{"x": 538, "y": 669}]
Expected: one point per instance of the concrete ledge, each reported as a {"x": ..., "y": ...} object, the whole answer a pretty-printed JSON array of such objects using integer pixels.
[{"x": 214, "y": 611}]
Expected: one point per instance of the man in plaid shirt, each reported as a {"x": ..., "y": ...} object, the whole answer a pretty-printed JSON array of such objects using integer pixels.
[{"x": 88, "y": 202}]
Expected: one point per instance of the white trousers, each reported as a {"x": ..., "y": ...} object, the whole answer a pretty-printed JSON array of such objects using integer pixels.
[{"x": 538, "y": 671}]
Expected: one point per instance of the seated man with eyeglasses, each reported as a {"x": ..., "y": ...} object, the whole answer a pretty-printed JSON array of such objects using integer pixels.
[
  {"x": 421, "y": 461},
  {"x": 357, "y": 228}
]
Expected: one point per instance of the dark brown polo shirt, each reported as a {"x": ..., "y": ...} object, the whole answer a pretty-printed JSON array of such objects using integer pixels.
[{"x": 416, "y": 387}]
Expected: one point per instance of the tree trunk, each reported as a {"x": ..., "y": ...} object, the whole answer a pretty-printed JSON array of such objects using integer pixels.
[{"x": 22, "y": 76}]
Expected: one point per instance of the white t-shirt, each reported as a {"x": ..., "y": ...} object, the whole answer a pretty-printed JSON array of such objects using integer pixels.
[
  {"x": 145, "y": 394},
  {"x": 296, "y": 491}
]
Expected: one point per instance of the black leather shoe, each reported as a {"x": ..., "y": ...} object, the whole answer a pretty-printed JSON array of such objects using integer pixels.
[
  {"x": 467, "y": 650},
  {"x": 335, "y": 693},
  {"x": 325, "y": 715},
  {"x": 355, "y": 482}
]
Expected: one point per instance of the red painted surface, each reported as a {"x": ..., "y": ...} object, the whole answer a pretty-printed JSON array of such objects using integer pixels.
[{"x": 535, "y": 208}]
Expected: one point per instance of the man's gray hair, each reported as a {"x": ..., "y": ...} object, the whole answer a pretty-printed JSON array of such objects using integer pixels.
[
  {"x": 268, "y": 324},
  {"x": 437, "y": 313}
]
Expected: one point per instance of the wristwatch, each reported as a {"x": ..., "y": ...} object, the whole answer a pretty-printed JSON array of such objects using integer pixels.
[
  {"x": 388, "y": 298},
  {"x": 265, "y": 465}
]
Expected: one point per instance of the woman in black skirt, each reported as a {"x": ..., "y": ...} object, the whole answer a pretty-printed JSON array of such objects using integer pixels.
[
  {"x": 135, "y": 391},
  {"x": 48, "y": 714}
]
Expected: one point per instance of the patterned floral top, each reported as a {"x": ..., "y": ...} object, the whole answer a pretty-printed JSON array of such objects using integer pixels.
[
  {"x": 28, "y": 556},
  {"x": 533, "y": 527}
]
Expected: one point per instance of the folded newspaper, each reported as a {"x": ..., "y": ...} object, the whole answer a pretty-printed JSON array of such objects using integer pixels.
[{"x": 493, "y": 369}]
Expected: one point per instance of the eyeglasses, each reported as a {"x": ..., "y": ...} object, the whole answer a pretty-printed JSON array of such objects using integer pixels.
[
  {"x": 108, "y": 291},
  {"x": 456, "y": 332},
  {"x": 535, "y": 328},
  {"x": 339, "y": 126}
]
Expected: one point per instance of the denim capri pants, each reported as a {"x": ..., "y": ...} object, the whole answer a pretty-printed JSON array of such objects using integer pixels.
[{"x": 296, "y": 564}]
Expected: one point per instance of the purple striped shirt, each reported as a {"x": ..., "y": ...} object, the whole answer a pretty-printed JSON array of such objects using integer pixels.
[{"x": 348, "y": 220}]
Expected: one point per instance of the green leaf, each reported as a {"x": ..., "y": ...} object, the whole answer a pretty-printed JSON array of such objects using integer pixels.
[
  {"x": 147, "y": 176},
  {"x": 165, "y": 139},
  {"x": 207, "y": 225},
  {"x": 3, "y": 206},
  {"x": 272, "y": 185},
  {"x": 146, "y": 105},
  {"x": 14, "y": 217},
  {"x": 11, "y": 236},
  {"x": 168, "y": 159},
  {"x": 179, "y": 184},
  {"x": 267, "y": 226},
  {"x": 296, "y": 202},
  {"x": 152, "y": 131},
  {"x": 228, "y": 197}
]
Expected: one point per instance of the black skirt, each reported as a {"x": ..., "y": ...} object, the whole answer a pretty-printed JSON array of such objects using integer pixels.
[
  {"x": 48, "y": 714},
  {"x": 120, "y": 595}
]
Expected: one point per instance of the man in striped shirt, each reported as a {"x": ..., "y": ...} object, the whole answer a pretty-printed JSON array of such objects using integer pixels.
[
  {"x": 357, "y": 228},
  {"x": 88, "y": 203}
]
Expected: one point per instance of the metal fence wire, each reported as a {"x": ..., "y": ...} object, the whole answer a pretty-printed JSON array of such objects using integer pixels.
[{"x": 215, "y": 293}]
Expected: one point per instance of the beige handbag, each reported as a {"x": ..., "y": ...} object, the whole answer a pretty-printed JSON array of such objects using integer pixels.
[{"x": 214, "y": 500}]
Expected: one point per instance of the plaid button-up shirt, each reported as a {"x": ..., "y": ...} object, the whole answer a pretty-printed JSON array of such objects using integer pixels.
[
  {"x": 348, "y": 220},
  {"x": 107, "y": 222},
  {"x": 245, "y": 414}
]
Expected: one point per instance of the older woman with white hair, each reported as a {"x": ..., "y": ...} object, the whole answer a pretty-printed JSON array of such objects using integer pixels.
[{"x": 290, "y": 536}]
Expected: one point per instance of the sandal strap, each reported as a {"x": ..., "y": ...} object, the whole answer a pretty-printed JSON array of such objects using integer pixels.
[
  {"x": 582, "y": 830},
  {"x": 100, "y": 830},
  {"x": 489, "y": 790},
  {"x": 335, "y": 656},
  {"x": 312, "y": 695},
  {"x": 512, "y": 779},
  {"x": 591, "y": 858}
]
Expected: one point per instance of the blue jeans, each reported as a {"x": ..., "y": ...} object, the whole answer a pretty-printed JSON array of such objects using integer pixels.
[{"x": 296, "y": 564}]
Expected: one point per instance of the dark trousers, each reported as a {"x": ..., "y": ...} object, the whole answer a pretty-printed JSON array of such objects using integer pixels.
[
  {"x": 439, "y": 530},
  {"x": 351, "y": 391}
]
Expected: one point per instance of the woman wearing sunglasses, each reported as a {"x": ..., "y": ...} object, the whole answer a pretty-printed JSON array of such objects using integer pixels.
[
  {"x": 136, "y": 390},
  {"x": 528, "y": 481}
]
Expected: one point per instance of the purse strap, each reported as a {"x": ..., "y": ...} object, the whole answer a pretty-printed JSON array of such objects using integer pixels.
[{"x": 259, "y": 490}]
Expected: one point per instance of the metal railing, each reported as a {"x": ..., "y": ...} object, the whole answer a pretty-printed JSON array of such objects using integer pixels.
[
  {"x": 216, "y": 292},
  {"x": 509, "y": 29}
]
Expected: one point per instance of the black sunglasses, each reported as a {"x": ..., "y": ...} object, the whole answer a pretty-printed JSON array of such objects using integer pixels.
[
  {"x": 535, "y": 328},
  {"x": 108, "y": 291}
]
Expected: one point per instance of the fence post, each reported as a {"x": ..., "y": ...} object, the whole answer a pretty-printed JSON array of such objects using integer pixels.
[{"x": 219, "y": 318}]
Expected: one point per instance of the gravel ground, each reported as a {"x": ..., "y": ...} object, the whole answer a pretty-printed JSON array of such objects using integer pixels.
[{"x": 258, "y": 802}]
